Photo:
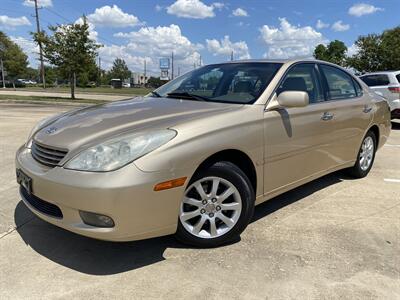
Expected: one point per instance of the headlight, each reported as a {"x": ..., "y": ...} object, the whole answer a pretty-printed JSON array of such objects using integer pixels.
[{"x": 118, "y": 152}]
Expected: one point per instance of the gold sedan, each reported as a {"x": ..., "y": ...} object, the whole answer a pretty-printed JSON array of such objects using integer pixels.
[{"x": 195, "y": 156}]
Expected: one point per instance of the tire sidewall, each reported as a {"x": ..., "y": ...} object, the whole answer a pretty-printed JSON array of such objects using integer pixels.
[
  {"x": 357, "y": 167},
  {"x": 234, "y": 175}
]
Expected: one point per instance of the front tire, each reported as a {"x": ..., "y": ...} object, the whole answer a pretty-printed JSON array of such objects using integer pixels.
[
  {"x": 365, "y": 157},
  {"x": 217, "y": 206}
]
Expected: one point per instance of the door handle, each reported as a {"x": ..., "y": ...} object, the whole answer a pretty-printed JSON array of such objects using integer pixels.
[
  {"x": 327, "y": 116},
  {"x": 367, "y": 109}
]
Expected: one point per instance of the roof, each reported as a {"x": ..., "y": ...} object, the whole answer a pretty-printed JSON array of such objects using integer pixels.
[
  {"x": 282, "y": 61},
  {"x": 381, "y": 73}
]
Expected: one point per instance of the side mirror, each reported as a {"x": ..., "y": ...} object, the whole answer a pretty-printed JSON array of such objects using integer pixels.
[{"x": 293, "y": 99}]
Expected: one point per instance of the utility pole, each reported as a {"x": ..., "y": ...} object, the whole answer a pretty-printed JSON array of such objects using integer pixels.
[
  {"x": 172, "y": 65},
  {"x": 2, "y": 50},
  {"x": 99, "y": 70},
  {"x": 179, "y": 71},
  {"x": 2, "y": 73},
  {"x": 40, "y": 45},
  {"x": 145, "y": 71},
  {"x": 232, "y": 55},
  {"x": 200, "y": 61}
]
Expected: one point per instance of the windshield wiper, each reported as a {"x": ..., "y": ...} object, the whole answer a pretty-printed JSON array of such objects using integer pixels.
[
  {"x": 187, "y": 96},
  {"x": 153, "y": 93}
]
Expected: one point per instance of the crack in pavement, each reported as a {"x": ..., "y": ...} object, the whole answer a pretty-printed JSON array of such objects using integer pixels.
[{"x": 15, "y": 228}]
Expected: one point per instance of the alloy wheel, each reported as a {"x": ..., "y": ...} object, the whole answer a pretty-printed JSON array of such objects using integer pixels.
[
  {"x": 210, "y": 208},
  {"x": 366, "y": 153}
]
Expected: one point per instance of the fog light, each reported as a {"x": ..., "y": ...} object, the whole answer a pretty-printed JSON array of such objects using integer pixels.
[{"x": 96, "y": 219}]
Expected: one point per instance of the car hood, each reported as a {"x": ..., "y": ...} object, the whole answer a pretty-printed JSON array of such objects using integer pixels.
[{"x": 93, "y": 124}]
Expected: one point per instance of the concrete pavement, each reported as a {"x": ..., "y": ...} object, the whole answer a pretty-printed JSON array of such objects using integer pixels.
[{"x": 334, "y": 238}]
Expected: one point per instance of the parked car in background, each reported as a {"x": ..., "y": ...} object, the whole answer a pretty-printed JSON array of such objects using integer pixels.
[
  {"x": 126, "y": 85},
  {"x": 387, "y": 84},
  {"x": 10, "y": 84},
  {"x": 196, "y": 155}
]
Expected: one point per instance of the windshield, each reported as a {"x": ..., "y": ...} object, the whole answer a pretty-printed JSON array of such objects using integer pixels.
[{"x": 240, "y": 83}]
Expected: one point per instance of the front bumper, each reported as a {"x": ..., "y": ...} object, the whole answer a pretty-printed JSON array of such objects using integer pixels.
[{"x": 126, "y": 195}]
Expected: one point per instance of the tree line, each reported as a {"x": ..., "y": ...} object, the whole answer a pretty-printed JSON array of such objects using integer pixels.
[
  {"x": 71, "y": 56},
  {"x": 375, "y": 52}
]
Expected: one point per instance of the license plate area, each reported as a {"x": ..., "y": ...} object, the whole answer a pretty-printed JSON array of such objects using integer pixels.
[{"x": 24, "y": 180}]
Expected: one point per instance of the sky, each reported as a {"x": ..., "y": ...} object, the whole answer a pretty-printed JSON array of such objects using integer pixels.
[{"x": 200, "y": 31}]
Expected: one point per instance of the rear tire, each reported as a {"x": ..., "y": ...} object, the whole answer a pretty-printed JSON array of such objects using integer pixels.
[
  {"x": 218, "y": 205},
  {"x": 365, "y": 157}
]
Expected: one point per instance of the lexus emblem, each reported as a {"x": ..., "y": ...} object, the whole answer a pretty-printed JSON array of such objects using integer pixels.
[{"x": 51, "y": 130}]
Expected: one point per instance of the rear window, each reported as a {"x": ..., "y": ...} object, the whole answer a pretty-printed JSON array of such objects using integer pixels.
[{"x": 376, "y": 80}]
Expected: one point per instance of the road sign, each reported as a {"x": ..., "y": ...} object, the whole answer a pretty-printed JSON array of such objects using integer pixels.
[{"x": 164, "y": 63}]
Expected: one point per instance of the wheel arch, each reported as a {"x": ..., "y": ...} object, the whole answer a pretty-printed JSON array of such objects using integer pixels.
[
  {"x": 375, "y": 129},
  {"x": 238, "y": 158}
]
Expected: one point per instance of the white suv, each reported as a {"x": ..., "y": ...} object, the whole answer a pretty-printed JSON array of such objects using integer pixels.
[{"x": 387, "y": 84}]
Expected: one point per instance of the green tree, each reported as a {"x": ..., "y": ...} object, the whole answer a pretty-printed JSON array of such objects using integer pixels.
[
  {"x": 120, "y": 70},
  {"x": 52, "y": 75},
  {"x": 15, "y": 61},
  {"x": 320, "y": 52},
  {"x": 390, "y": 49},
  {"x": 31, "y": 74},
  {"x": 155, "y": 82},
  {"x": 91, "y": 74},
  {"x": 369, "y": 57},
  {"x": 335, "y": 52},
  {"x": 70, "y": 49},
  {"x": 377, "y": 52}
]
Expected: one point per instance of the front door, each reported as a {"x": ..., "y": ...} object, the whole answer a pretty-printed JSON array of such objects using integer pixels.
[{"x": 298, "y": 141}]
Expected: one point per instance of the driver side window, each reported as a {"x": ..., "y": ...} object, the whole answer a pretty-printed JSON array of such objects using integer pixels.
[{"x": 303, "y": 77}]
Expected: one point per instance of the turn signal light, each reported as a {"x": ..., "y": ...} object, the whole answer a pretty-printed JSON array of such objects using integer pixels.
[{"x": 170, "y": 184}]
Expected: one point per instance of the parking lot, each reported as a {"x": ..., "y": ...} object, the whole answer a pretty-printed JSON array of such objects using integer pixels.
[{"x": 334, "y": 238}]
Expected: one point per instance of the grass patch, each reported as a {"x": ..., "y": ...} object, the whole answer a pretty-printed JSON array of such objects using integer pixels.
[
  {"x": 94, "y": 90},
  {"x": 5, "y": 98}
]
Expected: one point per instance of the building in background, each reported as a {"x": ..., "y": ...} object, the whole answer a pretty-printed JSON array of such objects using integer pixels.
[{"x": 138, "y": 79}]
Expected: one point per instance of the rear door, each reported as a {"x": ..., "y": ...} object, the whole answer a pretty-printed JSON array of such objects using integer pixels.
[{"x": 353, "y": 112}]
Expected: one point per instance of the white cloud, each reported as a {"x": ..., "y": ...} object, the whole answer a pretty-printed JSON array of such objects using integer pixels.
[
  {"x": 289, "y": 41},
  {"x": 158, "y": 7},
  {"x": 135, "y": 62},
  {"x": 10, "y": 23},
  {"x": 225, "y": 47},
  {"x": 41, "y": 3},
  {"x": 340, "y": 26},
  {"x": 108, "y": 16},
  {"x": 321, "y": 24},
  {"x": 29, "y": 47},
  {"x": 161, "y": 41},
  {"x": 192, "y": 9},
  {"x": 352, "y": 50},
  {"x": 240, "y": 12},
  {"x": 362, "y": 9},
  {"x": 218, "y": 5}
]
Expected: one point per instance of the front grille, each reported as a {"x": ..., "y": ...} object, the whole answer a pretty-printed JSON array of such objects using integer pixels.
[
  {"x": 41, "y": 205},
  {"x": 47, "y": 155}
]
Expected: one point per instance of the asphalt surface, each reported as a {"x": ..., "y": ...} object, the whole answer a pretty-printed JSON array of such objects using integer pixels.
[{"x": 334, "y": 238}]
